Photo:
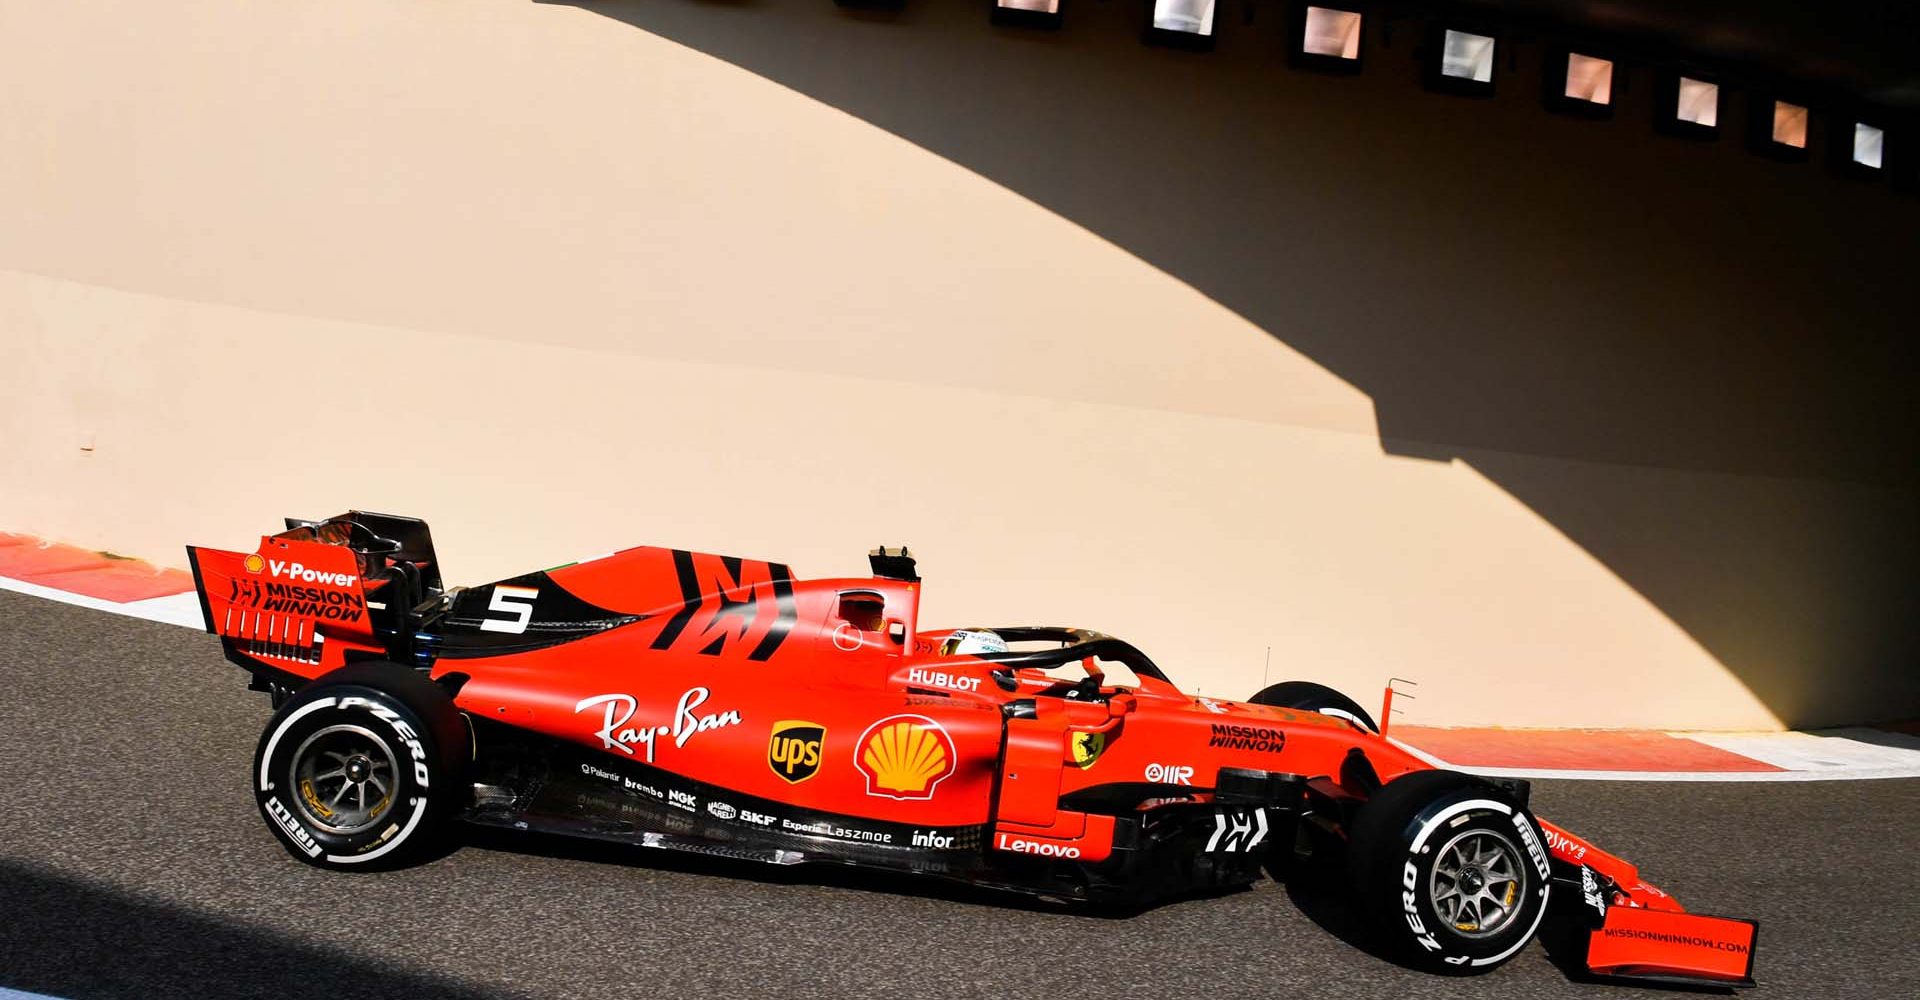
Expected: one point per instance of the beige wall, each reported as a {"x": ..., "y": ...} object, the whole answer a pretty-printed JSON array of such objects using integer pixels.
[{"x": 561, "y": 286}]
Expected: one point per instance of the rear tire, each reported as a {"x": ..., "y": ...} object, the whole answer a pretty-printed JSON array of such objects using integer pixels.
[
  {"x": 362, "y": 768},
  {"x": 1451, "y": 871},
  {"x": 1314, "y": 698}
]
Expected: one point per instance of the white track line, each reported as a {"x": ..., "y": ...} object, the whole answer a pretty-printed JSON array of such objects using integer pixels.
[
  {"x": 1849, "y": 774},
  {"x": 1844, "y": 759},
  {"x": 174, "y": 609},
  {"x": 1422, "y": 754},
  {"x": 1845, "y": 752}
]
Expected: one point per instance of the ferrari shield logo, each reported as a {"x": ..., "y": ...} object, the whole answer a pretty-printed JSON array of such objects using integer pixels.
[
  {"x": 1087, "y": 748},
  {"x": 793, "y": 751}
]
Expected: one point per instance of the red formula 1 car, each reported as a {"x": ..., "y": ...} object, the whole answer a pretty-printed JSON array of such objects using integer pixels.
[{"x": 716, "y": 704}]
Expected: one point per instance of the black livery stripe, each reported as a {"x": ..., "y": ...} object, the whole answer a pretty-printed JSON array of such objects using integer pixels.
[
  {"x": 784, "y": 619},
  {"x": 689, "y": 599}
]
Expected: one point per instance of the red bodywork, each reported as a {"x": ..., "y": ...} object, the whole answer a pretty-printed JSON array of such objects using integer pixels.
[{"x": 828, "y": 695}]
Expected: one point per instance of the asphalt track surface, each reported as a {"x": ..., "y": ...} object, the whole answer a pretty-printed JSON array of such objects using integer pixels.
[{"x": 133, "y": 864}]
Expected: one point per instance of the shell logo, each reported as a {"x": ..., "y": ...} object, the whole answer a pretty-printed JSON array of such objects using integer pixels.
[
  {"x": 904, "y": 757},
  {"x": 253, "y": 563}
]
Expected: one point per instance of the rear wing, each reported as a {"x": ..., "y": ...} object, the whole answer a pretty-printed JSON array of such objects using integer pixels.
[{"x": 354, "y": 579}]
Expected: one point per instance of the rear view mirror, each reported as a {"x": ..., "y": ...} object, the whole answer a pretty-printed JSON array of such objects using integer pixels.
[{"x": 1121, "y": 705}]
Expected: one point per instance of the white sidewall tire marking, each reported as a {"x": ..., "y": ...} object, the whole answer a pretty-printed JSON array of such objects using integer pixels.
[
  {"x": 1500, "y": 807},
  {"x": 1454, "y": 810},
  {"x": 266, "y": 756},
  {"x": 1341, "y": 713},
  {"x": 419, "y": 810}
]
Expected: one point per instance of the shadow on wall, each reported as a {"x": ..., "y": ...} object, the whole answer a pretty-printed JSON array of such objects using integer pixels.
[{"x": 1693, "y": 362}]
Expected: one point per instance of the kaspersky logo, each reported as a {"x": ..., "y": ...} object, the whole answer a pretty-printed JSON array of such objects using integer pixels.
[{"x": 904, "y": 757}]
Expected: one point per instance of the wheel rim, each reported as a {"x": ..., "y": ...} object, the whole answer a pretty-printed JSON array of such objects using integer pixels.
[
  {"x": 1478, "y": 883},
  {"x": 344, "y": 778}
]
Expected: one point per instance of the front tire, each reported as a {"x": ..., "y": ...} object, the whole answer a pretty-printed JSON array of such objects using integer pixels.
[
  {"x": 1451, "y": 871},
  {"x": 1315, "y": 698},
  {"x": 362, "y": 768}
]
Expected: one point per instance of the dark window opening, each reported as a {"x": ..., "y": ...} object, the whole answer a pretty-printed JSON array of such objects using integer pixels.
[{"x": 866, "y": 612}]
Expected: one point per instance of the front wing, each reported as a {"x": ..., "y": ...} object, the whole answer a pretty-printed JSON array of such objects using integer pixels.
[
  {"x": 1690, "y": 949},
  {"x": 1641, "y": 933}
]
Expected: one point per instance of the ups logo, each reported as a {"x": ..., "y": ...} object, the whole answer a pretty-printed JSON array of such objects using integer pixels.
[{"x": 793, "y": 751}]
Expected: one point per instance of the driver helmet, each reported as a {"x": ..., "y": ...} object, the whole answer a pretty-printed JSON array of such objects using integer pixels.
[{"x": 973, "y": 641}]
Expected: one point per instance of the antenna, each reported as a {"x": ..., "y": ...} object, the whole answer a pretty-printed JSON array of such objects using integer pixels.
[{"x": 1386, "y": 705}]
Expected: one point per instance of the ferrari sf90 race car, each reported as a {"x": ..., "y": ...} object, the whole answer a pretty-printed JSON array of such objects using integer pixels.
[{"x": 715, "y": 704}]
